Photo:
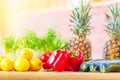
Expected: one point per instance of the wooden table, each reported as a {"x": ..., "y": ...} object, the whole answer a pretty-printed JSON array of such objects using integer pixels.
[{"x": 58, "y": 76}]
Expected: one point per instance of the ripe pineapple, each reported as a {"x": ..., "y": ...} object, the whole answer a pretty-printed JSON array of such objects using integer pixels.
[
  {"x": 80, "y": 27},
  {"x": 112, "y": 47}
]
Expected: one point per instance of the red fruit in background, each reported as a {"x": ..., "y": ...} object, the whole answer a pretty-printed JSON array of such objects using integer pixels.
[{"x": 74, "y": 63}]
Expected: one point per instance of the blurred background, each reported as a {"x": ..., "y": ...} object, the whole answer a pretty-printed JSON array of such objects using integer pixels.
[
  {"x": 11, "y": 10},
  {"x": 16, "y": 16}
]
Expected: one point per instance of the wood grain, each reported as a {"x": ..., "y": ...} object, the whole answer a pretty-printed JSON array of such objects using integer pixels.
[{"x": 58, "y": 76}]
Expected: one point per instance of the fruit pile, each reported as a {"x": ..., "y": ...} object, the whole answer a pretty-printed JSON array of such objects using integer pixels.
[{"x": 25, "y": 62}]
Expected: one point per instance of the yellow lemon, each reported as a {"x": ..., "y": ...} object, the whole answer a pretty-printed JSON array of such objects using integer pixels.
[
  {"x": 35, "y": 64},
  {"x": 1, "y": 57},
  {"x": 26, "y": 53},
  {"x": 21, "y": 64},
  {"x": 13, "y": 60},
  {"x": 6, "y": 64}
]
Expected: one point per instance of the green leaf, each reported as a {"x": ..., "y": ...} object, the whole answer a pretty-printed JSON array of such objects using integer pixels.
[
  {"x": 8, "y": 42},
  {"x": 51, "y": 41},
  {"x": 31, "y": 40}
]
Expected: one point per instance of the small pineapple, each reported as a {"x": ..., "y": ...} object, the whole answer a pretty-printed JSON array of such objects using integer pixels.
[
  {"x": 80, "y": 27},
  {"x": 112, "y": 47}
]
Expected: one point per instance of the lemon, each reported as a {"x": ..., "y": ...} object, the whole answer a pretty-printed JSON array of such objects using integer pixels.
[
  {"x": 21, "y": 64},
  {"x": 26, "y": 53},
  {"x": 35, "y": 64},
  {"x": 6, "y": 64},
  {"x": 1, "y": 57}
]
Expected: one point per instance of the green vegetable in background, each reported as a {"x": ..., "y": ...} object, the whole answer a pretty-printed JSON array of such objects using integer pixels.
[
  {"x": 10, "y": 44},
  {"x": 30, "y": 40},
  {"x": 51, "y": 41},
  {"x": 48, "y": 42}
]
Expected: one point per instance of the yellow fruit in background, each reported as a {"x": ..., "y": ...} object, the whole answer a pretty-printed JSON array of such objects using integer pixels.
[
  {"x": 21, "y": 64},
  {"x": 6, "y": 64},
  {"x": 35, "y": 64},
  {"x": 26, "y": 53}
]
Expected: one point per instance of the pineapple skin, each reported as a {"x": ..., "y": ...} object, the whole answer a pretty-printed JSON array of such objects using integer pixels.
[
  {"x": 82, "y": 44},
  {"x": 112, "y": 49}
]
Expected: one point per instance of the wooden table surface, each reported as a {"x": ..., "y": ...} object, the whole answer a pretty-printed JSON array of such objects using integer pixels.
[{"x": 58, "y": 76}]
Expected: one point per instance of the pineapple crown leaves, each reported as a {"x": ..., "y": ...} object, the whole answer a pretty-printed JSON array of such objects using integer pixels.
[
  {"x": 113, "y": 21},
  {"x": 80, "y": 18}
]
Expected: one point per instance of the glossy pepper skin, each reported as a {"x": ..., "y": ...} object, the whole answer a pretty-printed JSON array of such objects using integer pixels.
[
  {"x": 58, "y": 60},
  {"x": 52, "y": 59},
  {"x": 74, "y": 63},
  {"x": 63, "y": 59},
  {"x": 44, "y": 58}
]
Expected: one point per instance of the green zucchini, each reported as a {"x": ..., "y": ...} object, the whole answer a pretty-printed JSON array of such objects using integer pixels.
[
  {"x": 103, "y": 68},
  {"x": 85, "y": 66},
  {"x": 101, "y": 65},
  {"x": 95, "y": 65},
  {"x": 89, "y": 65},
  {"x": 110, "y": 66},
  {"x": 93, "y": 68},
  {"x": 114, "y": 67}
]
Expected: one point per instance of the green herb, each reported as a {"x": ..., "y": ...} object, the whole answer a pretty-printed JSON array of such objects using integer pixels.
[
  {"x": 31, "y": 40},
  {"x": 17, "y": 44},
  {"x": 50, "y": 41},
  {"x": 9, "y": 43}
]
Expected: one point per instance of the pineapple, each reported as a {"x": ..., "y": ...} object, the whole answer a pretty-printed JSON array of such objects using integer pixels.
[
  {"x": 80, "y": 27},
  {"x": 112, "y": 47}
]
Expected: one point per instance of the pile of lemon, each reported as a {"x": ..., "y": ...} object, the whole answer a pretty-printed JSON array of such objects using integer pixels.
[{"x": 25, "y": 62}]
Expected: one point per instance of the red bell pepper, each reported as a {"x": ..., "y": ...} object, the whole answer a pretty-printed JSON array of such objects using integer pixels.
[
  {"x": 74, "y": 63},
  {"x": 44, "y": 58},
  {"x": 62, "y": 61},
  {"x": 58, "y": 60},
  {"x": 51, "y": 60}
]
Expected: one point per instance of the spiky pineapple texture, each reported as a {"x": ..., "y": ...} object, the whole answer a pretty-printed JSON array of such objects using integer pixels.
[
  {"x": 80, "y": 18},
  {"x": 113, "y": 21}
]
